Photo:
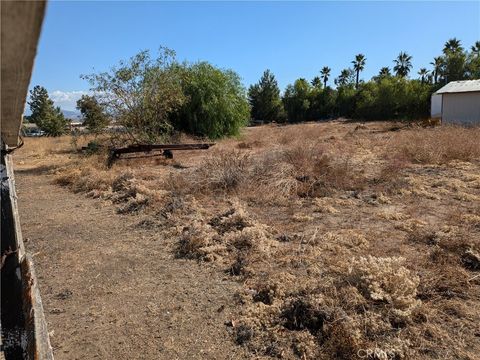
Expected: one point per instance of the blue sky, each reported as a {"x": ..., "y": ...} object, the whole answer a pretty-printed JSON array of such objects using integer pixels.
[{"x": 293, "y": 39}]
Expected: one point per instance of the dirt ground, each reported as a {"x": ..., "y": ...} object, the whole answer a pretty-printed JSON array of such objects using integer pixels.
[
  {"x": 113, "y": 291},
  {"x": 313, "y": 241}
]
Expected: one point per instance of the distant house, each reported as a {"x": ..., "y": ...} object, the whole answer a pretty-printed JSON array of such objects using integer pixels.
[
  {"x": 75, "y": 125},
  {"x": 458, "y": 102},
  {"x": 30, "y": 129}
]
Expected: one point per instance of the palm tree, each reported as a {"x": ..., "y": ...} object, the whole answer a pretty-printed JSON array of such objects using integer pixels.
[
  {"x": 358, "y": 65},
  {"x": 345, "y": 77},
  {"x": 325, "y": 74},
  {"x": 403, "y": 64},
  {"x": 455, "y": 61},
  {"x": 316, "y": 82},
  {"x": 384, "y": 72},
  {"x": 452, "y": 46},
  {"x": 437, "y": 67},
  {"x": 423, "y": 72},
  {"x": 476, "y": 48}
]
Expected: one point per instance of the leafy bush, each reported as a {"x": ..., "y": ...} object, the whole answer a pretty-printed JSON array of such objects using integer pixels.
[
  {"x": 323, "y": 103},
  {"x": 94, "y": 117},
  {"x": 141, "y": 93},
  {"x": 151, "y": 97},
  {"x": 345, "y": 104},
  {"x": 216, "y": 103},
  {"x": 392, "y": 98},
  {"x": 93, "y": 147},
  {"x": 384, "y": 98},
  {"x": 296, "y": 100}
]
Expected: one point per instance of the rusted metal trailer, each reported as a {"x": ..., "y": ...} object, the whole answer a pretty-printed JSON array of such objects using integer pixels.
[
  {"x": 24, "y": 332},
  {"x": 165, "y": 150},
  {"x": 145, "y": 150}
]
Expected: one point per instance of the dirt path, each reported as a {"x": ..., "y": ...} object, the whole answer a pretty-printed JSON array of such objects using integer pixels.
[{"x": 112, "y": 291}]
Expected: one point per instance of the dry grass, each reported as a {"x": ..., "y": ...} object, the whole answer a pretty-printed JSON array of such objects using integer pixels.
[
  {"x": 272, "y": 175},
  {"x": 438, "y": 146},
  {"x": 347, "y": 238},
  {"x": 223, "y": 171},
  {"x": 387, "y": 280}
]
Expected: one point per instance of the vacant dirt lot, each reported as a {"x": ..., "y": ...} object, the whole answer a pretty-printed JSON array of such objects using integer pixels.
[
  {"x": 112, "y": 290},
  {"x": 317, "y": 241}
]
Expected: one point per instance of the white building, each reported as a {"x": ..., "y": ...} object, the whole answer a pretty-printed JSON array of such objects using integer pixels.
[{"x": 458, "y": 102}]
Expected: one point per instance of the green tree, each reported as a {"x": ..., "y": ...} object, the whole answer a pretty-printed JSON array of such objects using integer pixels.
[
  {"x": 317, "y": 82},
  {"x": 264, "y": 99},
  {"x": 473, "y": 62},
  {"x": 417, "y": 100},
  {"x": 366, "y": 102},
  {"x": 345, "y": 101},
  {"x": 94, "y": 117},
  {"x": 382, "y": 74},
  {"x": 437, "y": 64},
  {"x": 475, "y": 48},
  {"x": 325, "y": 74},
  {"x": 454, "y": 61},
  {"x": 141, "y": 94},
  {"x": 346, "y": 78},
  {"x": 423, "y": 72},
  {"x": 39, "y": 104},
  {"x": 358, "y": 66},
  {"x": 47, "y": 117},
  {"x": 322, "y": 103},
  {"x": 393, "y": 98},
  {"x": 296, "y": 100},
  {"x": 452, "y": 46},
  {"x": 216, "y": 104},
  {"x": 403, "y": 64}
]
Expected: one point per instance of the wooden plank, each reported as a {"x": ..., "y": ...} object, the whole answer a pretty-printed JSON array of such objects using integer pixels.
[
  {"x": 13, "y": 200},
  {"x": 34, "y": 316},
  {"x": 35, "y": 327},
  {"x": 20, "y": 25}
]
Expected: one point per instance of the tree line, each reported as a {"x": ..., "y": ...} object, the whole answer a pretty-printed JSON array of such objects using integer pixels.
[
  {"x": 155, "y": 97},
  {"x": 388, "y": 95}
]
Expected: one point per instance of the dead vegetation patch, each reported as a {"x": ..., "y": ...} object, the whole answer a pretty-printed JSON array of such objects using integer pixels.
[
  {"x": 274, "y": 175},
  {"x": 451, "y": 245},
  {"x": 347, "y": 239},
  {"x": 386, "y": 280},
  {"x": 439, "y": 145},
  {"x": 227, "y": 239}
]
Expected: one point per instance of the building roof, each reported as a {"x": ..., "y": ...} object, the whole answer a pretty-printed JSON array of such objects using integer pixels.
[
  {"x": 30, "y": 125},
  {"x": 460, "y": 87}
]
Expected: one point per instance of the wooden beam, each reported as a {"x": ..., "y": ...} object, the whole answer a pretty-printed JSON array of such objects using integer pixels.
[{"x": 21, "y": 22}]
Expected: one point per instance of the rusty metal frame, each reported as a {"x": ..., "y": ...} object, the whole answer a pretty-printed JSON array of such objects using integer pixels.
[{"x": 153, "y": 150}]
